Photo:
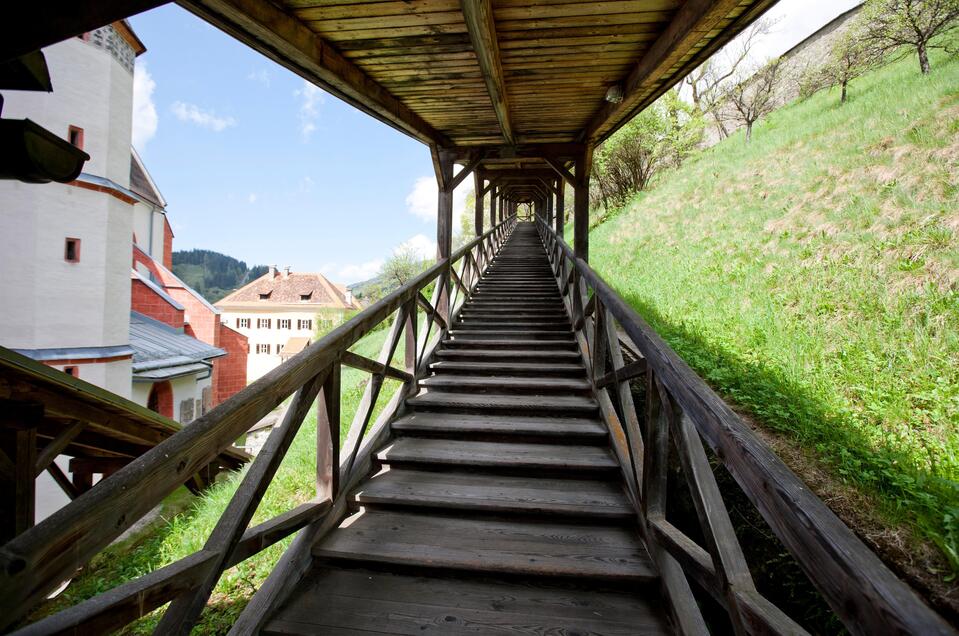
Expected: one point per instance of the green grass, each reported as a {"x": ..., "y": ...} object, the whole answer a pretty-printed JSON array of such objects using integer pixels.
[
  {"x": 187, "y": 530},
  {"x": 812, "y": 278}
]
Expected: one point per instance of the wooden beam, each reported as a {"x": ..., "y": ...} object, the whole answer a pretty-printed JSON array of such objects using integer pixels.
[
  {"x": 482, "y": 31},
  {"x": 478, "y": 203},
  {"x": 561, "y": 171},
  {"x": 289, "y": 42},
  {"x": 362, "y": 363},
  {"x": 581, "y": 206},
  {"x": 41, "y": 24},
  {"x": 460, "y": 176},
  {"x": 560, "y": 208},
  {"x": 56, "y": 446},
  {"x": 689, "y": 26},
  {"x": 63, "y": 481}
]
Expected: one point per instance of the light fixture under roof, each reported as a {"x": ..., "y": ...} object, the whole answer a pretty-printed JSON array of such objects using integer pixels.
[{"x": 614, "y": 94}]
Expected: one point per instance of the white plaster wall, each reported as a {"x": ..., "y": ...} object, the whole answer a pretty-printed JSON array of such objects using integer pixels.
[
  {"x": 183, "y": 388},
  {"x": 90, "y": 90},
  {"x": 141, "y": 392},
  {"x": 63, "y": 304},
  {"x": 112, "y": 376},
  {"x": 145, "y": 216}
]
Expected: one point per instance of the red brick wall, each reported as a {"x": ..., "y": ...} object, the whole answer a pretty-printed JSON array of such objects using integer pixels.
[
  {"x": 149, "y": 303},
  {"x": 229, "y": 371},
  {"x": 167, "y": 244}
]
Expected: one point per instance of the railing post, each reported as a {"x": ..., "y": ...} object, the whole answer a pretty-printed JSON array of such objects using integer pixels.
[{"x": 328, "y": 436}]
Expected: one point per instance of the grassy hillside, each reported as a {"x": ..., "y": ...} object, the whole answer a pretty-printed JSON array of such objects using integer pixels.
[
  {"x": 812, "y": 278},
  {"x": 212, "y": 274},
  {"x": 186, "y": 531}
]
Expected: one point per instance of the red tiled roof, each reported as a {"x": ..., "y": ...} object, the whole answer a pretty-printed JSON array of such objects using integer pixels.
[{"x": 280, "y": 288}]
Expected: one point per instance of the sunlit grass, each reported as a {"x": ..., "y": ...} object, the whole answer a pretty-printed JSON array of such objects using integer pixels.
[{"x": 812, "y": 277}]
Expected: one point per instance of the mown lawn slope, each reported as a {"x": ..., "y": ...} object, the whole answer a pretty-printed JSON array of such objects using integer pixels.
[{"x": 812, "y": 278}]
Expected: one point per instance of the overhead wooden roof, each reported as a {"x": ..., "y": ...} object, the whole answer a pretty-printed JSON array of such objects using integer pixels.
[{"x": 472, "y": 74}]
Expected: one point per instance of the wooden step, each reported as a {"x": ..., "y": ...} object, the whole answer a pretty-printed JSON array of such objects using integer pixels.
[
  {"x": 497, "y": 494},
  {"x": 511, "y": 456},
  {"x": 533, "y": 369},
  {"x": 502, "y": 324},
  {"x": 353, "y": 601},
  {"x": 463, "y": 425},
  {"x": 564, "y": 405},
  {"x": 507, "y": 384},
  {"x": 550, "y": 356},
  {"x": 495, "y": 546},
  {"x": 514, "y": 343},
  {"x": 518, "y": 332}
]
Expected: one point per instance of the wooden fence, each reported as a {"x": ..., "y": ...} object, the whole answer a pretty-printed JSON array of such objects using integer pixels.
[
  {"x": 679, "y": 406},
  {"x": 36, "y": 561}
]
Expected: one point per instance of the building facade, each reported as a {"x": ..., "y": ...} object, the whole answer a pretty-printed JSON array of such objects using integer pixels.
[
  {"x": 280, "y": 312},
  {"x": 79, "y": 302}
]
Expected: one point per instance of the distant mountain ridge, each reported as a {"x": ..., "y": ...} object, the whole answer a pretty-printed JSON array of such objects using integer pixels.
[{"x": 213, "y": 274}]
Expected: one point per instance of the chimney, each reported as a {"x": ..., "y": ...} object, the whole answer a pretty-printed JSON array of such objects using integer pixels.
[
  {"x": 286, "y": 272},
  {"x": 348, "y": 296},
  {"x": 272, "y": 271}
]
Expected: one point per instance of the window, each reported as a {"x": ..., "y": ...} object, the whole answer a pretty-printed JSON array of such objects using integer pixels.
[
  {"x": 71, "y": 250},
  {"x": 243, "y": 323},
  {"x": 284, "y": 323},
  {"x": 75, "y": 136},
  {"x": 279, "y": 348},
  {"x": 265, "y": 296},
  {"x": 304, "y": 324},
  {"x": 264, "y": 323},
  {"x": 72, "y": 371},
  {"x": 306, "y": 297},
  {"x": 263, "y": 348}
]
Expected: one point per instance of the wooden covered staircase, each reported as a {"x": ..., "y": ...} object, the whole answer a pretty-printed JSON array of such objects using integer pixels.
[{"x": 497, "y": 504}]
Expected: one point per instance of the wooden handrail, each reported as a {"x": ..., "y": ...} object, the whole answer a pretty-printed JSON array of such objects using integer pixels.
[
  {"x": 34, "y": 562},
  {"x": 862, "y": 591}
]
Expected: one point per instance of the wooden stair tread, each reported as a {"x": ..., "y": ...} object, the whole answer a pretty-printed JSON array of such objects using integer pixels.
[
  {"x": 338, "y": 601},
  {"x": 515, "y": 383},
  {"x": 508, "y": 367},
  {"x": 503, "y": 546},
  {"x": 526, "y": 403},
  {"x": 521, "y": 354},
  {"x": 496, "y": 493},
  {"x": 511, "y": 455},
  {"x": 505, "y": 425}
]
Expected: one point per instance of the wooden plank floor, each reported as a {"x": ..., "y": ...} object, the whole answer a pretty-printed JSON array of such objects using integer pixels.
[{"x": 497, "y": 506}]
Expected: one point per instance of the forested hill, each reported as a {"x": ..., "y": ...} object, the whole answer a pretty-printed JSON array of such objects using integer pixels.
[{"x": 212, "y": 274}]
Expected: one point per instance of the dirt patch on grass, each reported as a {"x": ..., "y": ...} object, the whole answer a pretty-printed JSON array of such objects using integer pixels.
[{"x": 918, "y": 562}]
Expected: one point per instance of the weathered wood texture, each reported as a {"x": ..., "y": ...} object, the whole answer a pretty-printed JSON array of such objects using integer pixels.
[{"x": 862, "y": 591}]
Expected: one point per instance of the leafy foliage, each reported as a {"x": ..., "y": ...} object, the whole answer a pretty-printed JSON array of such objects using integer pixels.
[
  {"x": 912, "y": 23},
  {"x": 212, "y": 274},
  {"x": 659, "y": 137}
]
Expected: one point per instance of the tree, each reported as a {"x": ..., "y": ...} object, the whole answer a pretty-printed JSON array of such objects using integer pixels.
[
  {"x": 402, "y": 266},
  {"x": 914, "y": 23},
  {"x": 708, "y": 84},
  {"x": 851, "y": 56},
  {"x": 753, "y": 96},
  {"x": 660, "y": 136}
]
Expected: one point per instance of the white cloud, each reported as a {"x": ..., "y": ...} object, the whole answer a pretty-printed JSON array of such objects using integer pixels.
[
  {"x": 202, "y": 118},
  {"x": 252, "y": 198},
  {"x": 144, "y": 109},
  {"x": 421, "y": 201},
  {"x": 306, "y": 184},
  {"x": 311, "y": 98},
  {"x": 419, "y": 244},
  {"x": 349, "y": 274},
  {"x": 260, "y": 76}
]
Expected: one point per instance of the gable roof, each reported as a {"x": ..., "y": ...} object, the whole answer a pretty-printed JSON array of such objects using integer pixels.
[
  {"x": 276, "y": 288},
  {"x": 141, "y": 182}
]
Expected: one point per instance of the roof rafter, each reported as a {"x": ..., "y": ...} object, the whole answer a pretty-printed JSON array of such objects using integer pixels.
[
  {"x": 482, "y": 32},
  {"x": 290, "y": 43}
]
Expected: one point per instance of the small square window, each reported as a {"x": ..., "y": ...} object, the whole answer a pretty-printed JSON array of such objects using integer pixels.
[
  {"x": 72, "y": 371},
  {"x": 304, "y": 324},
  {"x": 263, "y": 348},
  {"x": 243, "y": 323},
  {"x": 283, "y": 323},
  {"x": 264, "y": 323},
  {"x": 306, "y": 297},
  {"x": 71, "y": 250},
  {"x": 279, "y": 348},
  {"x": 75, "y": 136},
  {"x": 265, "y": 296}
]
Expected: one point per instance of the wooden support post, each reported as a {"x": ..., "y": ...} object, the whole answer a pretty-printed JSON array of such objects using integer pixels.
[
  {"x": 549, "y": 208},
  {"x": 560, "y": 208},
  {"x": 492, "y": 206},
  {"x": 18, "y": 442},
  {"x": 443, "y": 165},
  {"x": 478, "y": 208},
  {"x": 328, "y": 436},
  {"x": 581, "y": 206}
]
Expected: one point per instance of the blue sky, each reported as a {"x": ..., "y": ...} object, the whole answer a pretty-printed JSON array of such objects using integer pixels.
[{"x": 259, "y": 165}]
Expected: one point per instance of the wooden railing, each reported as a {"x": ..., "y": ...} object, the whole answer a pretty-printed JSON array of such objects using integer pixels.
[
  {"x": 679, "y": 406},
  {"x": 37, "y": 560}
]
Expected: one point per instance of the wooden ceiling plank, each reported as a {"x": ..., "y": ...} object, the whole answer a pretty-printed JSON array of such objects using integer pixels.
[
  {"x": 292, "y": 44},
  {"x": 482, "y": 31}
]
